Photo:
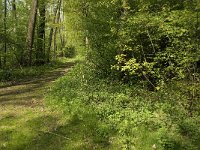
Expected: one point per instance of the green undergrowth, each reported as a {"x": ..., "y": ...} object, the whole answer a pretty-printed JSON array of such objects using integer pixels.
[
  {"x": 26, "y": 129},
  {"x": 114, "y": 115}
]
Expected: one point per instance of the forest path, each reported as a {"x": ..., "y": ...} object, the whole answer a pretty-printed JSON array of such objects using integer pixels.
[{"x": 25, "y": 121}]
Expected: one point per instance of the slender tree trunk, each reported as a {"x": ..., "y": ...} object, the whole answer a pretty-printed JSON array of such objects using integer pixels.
[
  {"x": 14, "y": 9},
  {"x": 56, "y": 9},
  {"x": 1, "y": 16},
  {"x": 31, "y": 29},
  {"x": 14, "y": 15},
  {"x": 62, "y": 41},
  {"x": 5, "y": 32},
  {"x": 123, "y": 12},
  {"x": 40, "y": 52},
  {"x": 62, "y": 34},
  {"x": 56, "y": 29}
]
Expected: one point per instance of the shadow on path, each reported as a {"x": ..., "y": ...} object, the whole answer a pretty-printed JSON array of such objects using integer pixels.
[
  {"x": 26, "y": 124},
  {"x": 26, "y": 91}
]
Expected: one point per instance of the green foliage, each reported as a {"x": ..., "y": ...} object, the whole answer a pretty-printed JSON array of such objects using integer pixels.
[
  {"x": 151, "y": 41},
  {"x": 148, "y": 45},
  {"x": 102, "y": 42},
  {"x": 69, "y": 51},
  {"x": 158, "y": 47},
  {"x": 127, "y": 116}
]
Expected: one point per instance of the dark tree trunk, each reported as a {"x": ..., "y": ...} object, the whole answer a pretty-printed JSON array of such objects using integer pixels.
[
  {"x": 5, "y": 32},
  {"x": 31, "y": 29},
  {"x": 56, "y": 9},
  {"x": 56, "y": 29},
  {"x": 14, "y": 15},
  {"x": 14, "y": 9},
  {"x": 40, "y": 52}
]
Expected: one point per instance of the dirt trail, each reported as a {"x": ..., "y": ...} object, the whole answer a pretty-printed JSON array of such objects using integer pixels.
[
  {"x": 22, "y": 103},
  {"x": 29, "y": 93}
]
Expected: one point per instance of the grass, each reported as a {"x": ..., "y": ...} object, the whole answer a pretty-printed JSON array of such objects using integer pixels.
[
  {"x": 13, "y": 130},
  {"x": 25, "y": 121},
  {"x": 32, "y": 130},
  {"x": 81, "y": 112},
  {"x": 29, "y": 129},
  {"x": 123, "y": 116}
]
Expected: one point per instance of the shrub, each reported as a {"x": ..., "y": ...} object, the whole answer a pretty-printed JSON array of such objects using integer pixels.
[
  {"x": 157, "y": 47},
  {"x": 127, "y": 116},
  {"x": 69, "y": 51}
]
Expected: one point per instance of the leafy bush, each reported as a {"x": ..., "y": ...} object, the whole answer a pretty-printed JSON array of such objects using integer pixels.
[
  {"x": 128, "y": 117},
  {"x": 153, "y": 41},
  {"x": 69, "y": 51},
  {"x": 157, "y": 47},
  {"x": 150, "y": 41}
]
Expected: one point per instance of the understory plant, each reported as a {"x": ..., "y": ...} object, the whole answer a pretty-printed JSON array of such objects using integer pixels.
[
  {"x": 157, "y": 47},
  {"x": 126, "y": 116}
]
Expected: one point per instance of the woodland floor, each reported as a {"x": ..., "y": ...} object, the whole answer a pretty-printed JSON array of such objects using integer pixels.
[{"x": 26, "y": 123}]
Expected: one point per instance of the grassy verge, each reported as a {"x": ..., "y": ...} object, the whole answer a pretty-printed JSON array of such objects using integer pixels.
[
  {"x": 113, "y": 115},
  {"x": 29, "y": 129},
  {"x": 25, "y": 122}
]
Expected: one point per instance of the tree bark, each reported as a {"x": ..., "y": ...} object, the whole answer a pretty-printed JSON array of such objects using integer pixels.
[
  {"x": 14, "y": 14},
  {"x": 1, "y": 16},
  {"x": 31, "y": 29},
  {"x": 62, "y": 34},
  {"x": 40, "y": 52},
  {"x": 56, "y": 9},
  {"x": 14, "y": 9},
  {"x": 56, "y": 29},
  {"x": 5, "y": 32}
]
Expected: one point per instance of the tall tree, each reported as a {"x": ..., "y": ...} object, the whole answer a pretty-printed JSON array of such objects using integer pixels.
[
  {"x": 61, "y": 32},
  {"x": 56, "y": 29},
  {"x": 1, "y": 16},
  {"x": 14, "y": 9},
  {"x": 56, "y": 9},
  {"x": 40, "y": 52},
  {"x": 14, "y": 14},
  {"x": 31, "y": 29},
  {"x": 5, "y": 31}
]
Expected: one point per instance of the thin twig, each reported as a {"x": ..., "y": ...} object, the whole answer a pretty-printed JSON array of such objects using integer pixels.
[
  {"x": 151, "y": 41},
  {"x": 49, "y": 132}
]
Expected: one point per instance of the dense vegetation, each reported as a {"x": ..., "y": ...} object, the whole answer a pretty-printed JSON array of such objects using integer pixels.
[{"x": 138, "y": 86}]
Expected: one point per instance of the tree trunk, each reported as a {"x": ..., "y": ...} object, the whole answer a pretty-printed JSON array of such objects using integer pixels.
[
  {"x": 14, "y": 9},
  {"x": 14, "y": 14},
  {"x": 31, "y": 29},
  {"x": 56, "y": 29},
  {"x": 62, "y": 34},
  {"x": 56, "y": 9},
  {"x": 1, "y": 16},
  {"x": 5, "y": 32},
  {"x": 40, "y": 52}
]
